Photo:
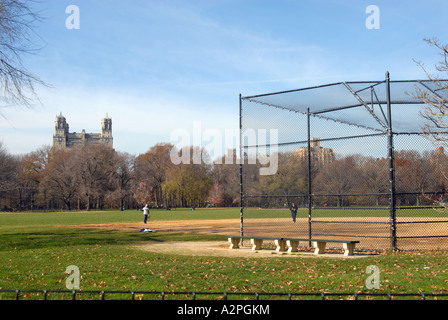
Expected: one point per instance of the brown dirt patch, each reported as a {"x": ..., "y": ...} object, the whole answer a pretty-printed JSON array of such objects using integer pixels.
[
  {"x": 218, "y": 226},
  {"x": 222, "y": 227},
  {"x": 221, "y": 249},
  {"x": 374, "y": 232}
]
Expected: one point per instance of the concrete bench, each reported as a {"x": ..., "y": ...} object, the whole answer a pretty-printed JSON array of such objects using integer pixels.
[{"x": 292, "y": 244}]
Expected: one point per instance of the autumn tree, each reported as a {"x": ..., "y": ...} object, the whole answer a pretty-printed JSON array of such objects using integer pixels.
[
  {"x": 188, "y": 184},
  {"x": 144, "y": 193},
  {"x": 291, "y": 177},
  {"x": 32, "y": 168},
  {"x": 216, "y": 194},
  {"x": 414, "y": 174},
  {"x": 152, "y": 167}
]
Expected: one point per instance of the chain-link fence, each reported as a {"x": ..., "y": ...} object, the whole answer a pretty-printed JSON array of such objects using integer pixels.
[{"x": 354, "y": 159}]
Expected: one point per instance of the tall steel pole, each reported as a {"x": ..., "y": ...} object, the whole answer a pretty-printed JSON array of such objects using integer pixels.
[
  {"x": 390, "y": 141},
  {"x": 241, "y": 171},
  {"x": 309, "y": 173}
]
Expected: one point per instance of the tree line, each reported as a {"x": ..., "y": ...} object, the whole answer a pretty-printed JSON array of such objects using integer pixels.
[
  {"x": 354, "y": 180},
  {"x": 98, "y": 177}
]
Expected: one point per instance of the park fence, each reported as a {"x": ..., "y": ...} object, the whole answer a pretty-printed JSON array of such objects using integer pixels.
[
  {"x": 356, "y": 159},
  {"x": 56, "y": 295}
]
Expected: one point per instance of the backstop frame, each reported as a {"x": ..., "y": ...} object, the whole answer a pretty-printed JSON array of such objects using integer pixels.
[{"x": 384, "y": 128}]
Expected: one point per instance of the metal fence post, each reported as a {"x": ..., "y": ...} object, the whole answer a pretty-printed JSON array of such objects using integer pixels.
[
  {"x": 309, "y": 173},
  {"x": 241, "y": 170},
  {"x": 390, "y": 135}
]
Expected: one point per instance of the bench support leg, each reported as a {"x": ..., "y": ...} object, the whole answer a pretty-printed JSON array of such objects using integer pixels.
[
  {"x": 292, "y": 245},
  {"x": 256, "y": 244},
  {"x": 348, "y": 248},
  {"x": 319, "y": 247},
  {"x": 234, "y": 243},
  {"x": 281, "y": 245}
]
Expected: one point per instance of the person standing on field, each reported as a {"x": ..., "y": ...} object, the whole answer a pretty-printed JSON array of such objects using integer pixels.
[
  {"x": 145, "y": 213},
  {"x": 293, "y": 209}
]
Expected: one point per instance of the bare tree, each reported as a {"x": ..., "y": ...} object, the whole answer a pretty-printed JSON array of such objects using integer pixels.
[
  {"x": 124, "y": 176},
  {"x": 59, "y": 177},
  {"x": 227, "y": 176},
  {"x": 338, "y": 178},
  {"x": 9, "y": 168},
  {"x": 95, "y": 172},
  {"x": 17, "y": 21},
  {"x": 436, "y": 111}
]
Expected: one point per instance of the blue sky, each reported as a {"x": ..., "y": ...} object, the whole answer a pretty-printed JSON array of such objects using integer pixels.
[{"x": 159, "y": 66}]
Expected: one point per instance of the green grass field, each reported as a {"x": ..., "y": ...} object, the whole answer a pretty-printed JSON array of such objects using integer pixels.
[{"x": 35, "y": 252}]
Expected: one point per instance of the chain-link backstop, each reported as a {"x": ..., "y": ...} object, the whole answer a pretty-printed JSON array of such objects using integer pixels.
[{"x": 354, "y": 159}]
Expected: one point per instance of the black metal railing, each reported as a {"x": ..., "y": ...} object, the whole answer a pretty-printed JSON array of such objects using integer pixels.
[{"x": 43, "y": 294}]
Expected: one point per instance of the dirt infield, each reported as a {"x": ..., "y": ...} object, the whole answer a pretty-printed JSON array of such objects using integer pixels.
[
  {"x": 221, "y": 226},
  {"x": 221, "y": 249},
  {"x": 210, "y": 248},
  {"x": 373, "y": 233}
]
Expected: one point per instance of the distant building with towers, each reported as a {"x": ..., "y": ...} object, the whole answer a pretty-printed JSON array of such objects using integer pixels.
[
  {"x": 319, "y": 155},
  {"x": 64, "y": 139}
]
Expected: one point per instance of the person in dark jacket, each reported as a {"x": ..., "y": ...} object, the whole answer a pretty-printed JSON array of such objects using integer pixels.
[{"x": 293, "y": 209}]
